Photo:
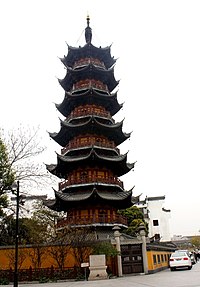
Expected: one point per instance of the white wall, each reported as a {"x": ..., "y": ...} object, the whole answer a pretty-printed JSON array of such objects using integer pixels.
[{"x": 156, "y": 211}]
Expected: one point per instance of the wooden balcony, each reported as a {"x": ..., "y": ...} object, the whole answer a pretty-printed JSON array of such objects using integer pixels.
[
  {"x": 86, "y": 61},
  {"x": 92, "y": 220},
  {"x": 88, "y": 180},
  {"x": 92, "y": 112},
  {"x": 77, "y": 144},
  {"x": 88, "y": 84}
]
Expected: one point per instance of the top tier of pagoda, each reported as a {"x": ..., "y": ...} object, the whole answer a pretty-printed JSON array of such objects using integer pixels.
[{"x": 90, "y": 162}]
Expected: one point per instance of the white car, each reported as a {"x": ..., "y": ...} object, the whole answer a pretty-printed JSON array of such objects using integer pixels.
[{"x": 180, "y": 259}]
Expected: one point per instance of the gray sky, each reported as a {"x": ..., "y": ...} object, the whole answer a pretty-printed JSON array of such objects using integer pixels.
[{"x": 157, "y": 45}]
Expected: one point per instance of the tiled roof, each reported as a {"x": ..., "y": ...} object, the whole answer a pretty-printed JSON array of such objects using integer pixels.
[{"x": 81, "y": 196}]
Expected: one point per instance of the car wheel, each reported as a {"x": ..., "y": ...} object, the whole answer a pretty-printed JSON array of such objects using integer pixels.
[
  {"x": 172, "y": 268},
  {"x": 189, "y": 267}
]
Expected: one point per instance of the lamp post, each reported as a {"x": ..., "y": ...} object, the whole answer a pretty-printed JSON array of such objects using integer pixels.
[
  {"x": 16, "y": 235},
  {"x": 117, "y": 235},
  {"x": 144, "y": 247}
]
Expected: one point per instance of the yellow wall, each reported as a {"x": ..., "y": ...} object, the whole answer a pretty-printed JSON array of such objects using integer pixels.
[
  {"x": 157, "y": 260},
  {"x": 7, "y": 258}
]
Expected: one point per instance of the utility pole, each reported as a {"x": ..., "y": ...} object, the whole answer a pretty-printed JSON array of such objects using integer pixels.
[{"x": 16, "y": 236}]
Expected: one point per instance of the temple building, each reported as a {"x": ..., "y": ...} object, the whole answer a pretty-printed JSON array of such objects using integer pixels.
[{"x": 90, "y": 164}]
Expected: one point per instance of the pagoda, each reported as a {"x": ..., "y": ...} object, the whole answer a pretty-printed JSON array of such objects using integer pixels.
[{"x": 90, "y": 163}]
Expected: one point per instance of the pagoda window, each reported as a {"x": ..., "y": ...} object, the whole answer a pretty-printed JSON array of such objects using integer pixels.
[
  {"x": 84, "y": 140},
  {"x": 78, "y": 213},
  {"x": 102, "y": 211},
  {"x": 84, "y": 213},
  {"x": 106, "y": 175},
  {"x": 100, "y": 174},
  {"x": 102, "y": 214},
  {"x": 99, "y": 140},
  {"x": 97, "y": 110},
  {"x": 94, "y": 172},
  {"x": 83, "y": 175}
]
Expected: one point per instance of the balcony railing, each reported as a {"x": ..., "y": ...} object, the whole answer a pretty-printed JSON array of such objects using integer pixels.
[
  {"x": 90, "y": 179},
  {"x": 87, "y": 84},
  {"x": 91, "y": 112},
  {"x": 87, "y": 61},
  {"x": 76, "y": 144},
  {"x": 95, "y": 219}
]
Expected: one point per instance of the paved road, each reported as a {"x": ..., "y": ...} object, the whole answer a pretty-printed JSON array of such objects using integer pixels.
[{"x": 166, "y": 278}]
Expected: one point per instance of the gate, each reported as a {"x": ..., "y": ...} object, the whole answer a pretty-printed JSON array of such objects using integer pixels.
[{"x": 132, "y": 260}]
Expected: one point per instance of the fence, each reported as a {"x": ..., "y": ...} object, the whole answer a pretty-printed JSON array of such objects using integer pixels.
[{"x": 42, "y": 274}]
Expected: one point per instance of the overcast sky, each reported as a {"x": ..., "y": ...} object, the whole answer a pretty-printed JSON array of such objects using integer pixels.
[{"x": 157, "y": 44}]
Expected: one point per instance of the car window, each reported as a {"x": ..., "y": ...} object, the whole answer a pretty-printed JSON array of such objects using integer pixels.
[{"x": 179, "y": 254}]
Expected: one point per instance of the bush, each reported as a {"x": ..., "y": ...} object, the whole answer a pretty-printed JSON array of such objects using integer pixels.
[
  {"x": 105, "y": 248},
  {"x": 43, "y": 280},
  {"x": 4, "y": 281}
]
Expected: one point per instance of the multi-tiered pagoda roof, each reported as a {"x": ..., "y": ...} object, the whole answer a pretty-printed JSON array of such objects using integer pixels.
[{"x": 90, "y": 162}]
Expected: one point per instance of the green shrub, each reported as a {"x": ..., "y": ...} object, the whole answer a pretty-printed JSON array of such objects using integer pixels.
[
  {"x": 4, "y": 281},
  {"x": 43, "y": 280}
]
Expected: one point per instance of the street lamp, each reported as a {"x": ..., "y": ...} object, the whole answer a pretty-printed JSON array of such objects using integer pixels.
[
  {"x": 117, "y": 235},
  {"x": 15, "y": 187}
]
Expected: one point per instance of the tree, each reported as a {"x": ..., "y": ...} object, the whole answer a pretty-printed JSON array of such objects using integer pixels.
[
  {"x": 104, "y": 248},
  {"x": 77, "y": 241},
  {"x": 59, "y": 251},
  {"x": 48, "y": 218},
  {"x": 7, "y": 176},
  {"x": 37, "y": 253},
  {"x": 24, "y": 152},
  {"x": 20, "y": 159},
  {"x": 30, "y": 231},
  {"x": 11, "y": 257},
  {"x": 82, "y": 240},
  {"x": 196, "y": 242},
  {"x": 37, "y": 235},
  {"x": 134, "y": 217},
  {"x": 7, "y": 230}
]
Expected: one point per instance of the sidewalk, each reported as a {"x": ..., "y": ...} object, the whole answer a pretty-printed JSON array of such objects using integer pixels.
[{"x": 165, "y": 278}]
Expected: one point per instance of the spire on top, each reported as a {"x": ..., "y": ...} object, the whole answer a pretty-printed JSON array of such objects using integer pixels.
[
  {"x": 88, "y": 20},
  {"x": 88, "y": 31}
]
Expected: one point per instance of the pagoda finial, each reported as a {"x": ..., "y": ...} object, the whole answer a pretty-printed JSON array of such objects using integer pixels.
[
  {"x": 88, "y": 31},
  {"x": 88, "y": 20}
]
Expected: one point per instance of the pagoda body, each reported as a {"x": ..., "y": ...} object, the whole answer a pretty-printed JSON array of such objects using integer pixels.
[{"x": 90, "y": 163}]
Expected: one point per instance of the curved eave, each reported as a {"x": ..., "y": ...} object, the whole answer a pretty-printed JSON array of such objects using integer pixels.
[
  {"x": 136, "y": 199},
  {"x": 92, "y": 154},
  {"x": 101, "y": 149},
  {"x": 88, "y": 50},
  {"x": 68, "y": 131},
  {"x": 52, "y": 204},
  {"x": 65, "y": 201},
  {"x": 117, "y": 164},
  {"x": 89, "y": 72},
  {"x": 51, "y": 168},
  {"x": 90, "y": 96},
  {"x": 83, "y": 196},
  {"x": 115, "y": 196}
]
